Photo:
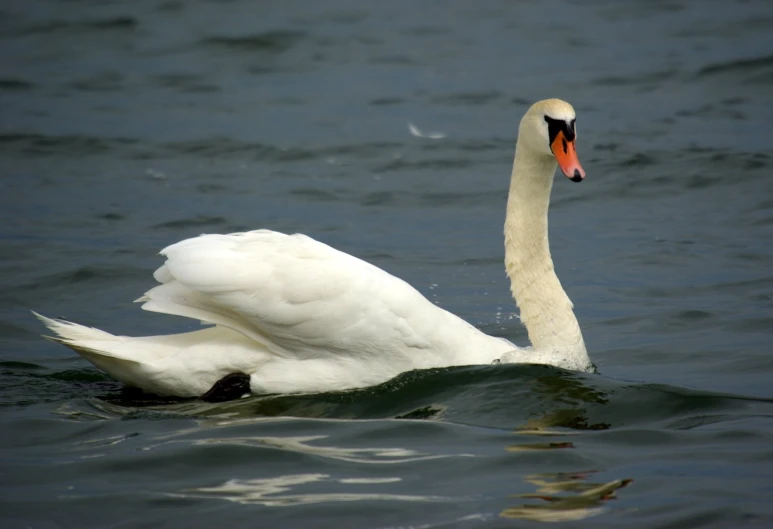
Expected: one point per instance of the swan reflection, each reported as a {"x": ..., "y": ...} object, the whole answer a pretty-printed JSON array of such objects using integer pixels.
[
  {"x": 301, "y": 489},
  {"x": 561, "y": 496},
  {"x": 302, "y": 444},
  {"x": 305, "y": 488},
  {"x": 566, "y": 496}
]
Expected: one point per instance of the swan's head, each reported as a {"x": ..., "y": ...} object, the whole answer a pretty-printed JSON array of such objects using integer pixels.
[{"x": 549, "y": 128}]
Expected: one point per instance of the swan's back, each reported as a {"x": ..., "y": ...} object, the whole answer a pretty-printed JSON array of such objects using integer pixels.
[{"x": 300, "y": 298}]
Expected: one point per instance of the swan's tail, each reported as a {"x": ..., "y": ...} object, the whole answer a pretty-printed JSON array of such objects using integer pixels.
[
  {"x": 70, "y": 334},
  {"x": 104, "y": 350}
]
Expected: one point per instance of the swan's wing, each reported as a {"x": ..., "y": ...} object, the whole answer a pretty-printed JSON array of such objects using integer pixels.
[{"x": 296, "y": 296}]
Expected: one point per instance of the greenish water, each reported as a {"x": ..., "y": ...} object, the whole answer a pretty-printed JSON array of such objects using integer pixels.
[{"x": 126, "y": 127}]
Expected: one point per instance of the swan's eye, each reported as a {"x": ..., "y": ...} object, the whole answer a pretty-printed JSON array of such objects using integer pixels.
[{"x": 559, "y": 125}]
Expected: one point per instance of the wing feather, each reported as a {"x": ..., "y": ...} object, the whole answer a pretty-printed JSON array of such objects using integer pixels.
[{"x": 296, "y": 296}]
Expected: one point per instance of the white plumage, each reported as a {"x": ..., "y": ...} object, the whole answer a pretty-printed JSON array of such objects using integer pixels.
[{"x": 297, "y": 315}]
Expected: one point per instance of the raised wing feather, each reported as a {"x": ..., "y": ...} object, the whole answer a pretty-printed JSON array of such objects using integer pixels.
[{"x": 294, "y": 295}]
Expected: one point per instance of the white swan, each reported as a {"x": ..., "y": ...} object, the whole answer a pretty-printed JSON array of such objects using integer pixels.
[{"x": 295, "y": 315}]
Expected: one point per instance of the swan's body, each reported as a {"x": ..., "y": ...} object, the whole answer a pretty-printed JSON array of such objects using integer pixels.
[{"x": 297, "y": 315}]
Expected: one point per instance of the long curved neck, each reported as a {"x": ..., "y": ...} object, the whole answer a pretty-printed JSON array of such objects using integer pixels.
[{"x": 546, "y": 310}]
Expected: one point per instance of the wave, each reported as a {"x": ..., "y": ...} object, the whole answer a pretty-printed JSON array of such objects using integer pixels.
[
  {"x": 527, "y": 398},
  {"x": 270, "y": 41},
  {"x": 116, "y": 23}
]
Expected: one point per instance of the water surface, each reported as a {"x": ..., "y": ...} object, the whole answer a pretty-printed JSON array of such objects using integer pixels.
[{"x": 126, "y": 127}]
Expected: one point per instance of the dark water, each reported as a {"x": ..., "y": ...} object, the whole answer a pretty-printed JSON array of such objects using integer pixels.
[{"x": 127, "y": 126}]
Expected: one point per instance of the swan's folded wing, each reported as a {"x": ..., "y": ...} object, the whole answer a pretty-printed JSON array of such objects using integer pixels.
[{"x": 295, "y": 295}]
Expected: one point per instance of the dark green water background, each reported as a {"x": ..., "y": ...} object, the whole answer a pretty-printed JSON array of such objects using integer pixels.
[{"x": 127, "y": 126}]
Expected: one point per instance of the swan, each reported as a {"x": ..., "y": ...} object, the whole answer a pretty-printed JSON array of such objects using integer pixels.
[{"x": 290, "y": 314}]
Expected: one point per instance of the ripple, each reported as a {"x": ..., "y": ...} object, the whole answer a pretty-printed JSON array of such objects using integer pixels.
[
  {"x": 566, "y": 497},
  {"x": 10, "y": 331},
  {"x": 637, "y": 79},
  {"x": 550, "y": 401},
  {"x": 426, "y": 31},
  {"x": 379, "y": 198},
  {"x": 639, "y": 160},
  {"x": 386, "y": 101},
  {"x": 751, "y": 325},
  {"x": 25, "y": 384},
  {"x": 15, "y": 365},
  {"x": 468, "y": 98},
  {"x": 110, "y": 216},
  {"x": 528, "y": 447},
  {"x": 117, "y": 23},
  {"x": 268, "y": 42},
  {"x": 104, "y": 82},
  {"x": 207, "y": 189},
  {"x": 459, "y": 199},
  {"x": 273, "y": 492},
  {"x": 687, "y": 291},
  {"x": 220, "y": 147},
  {"x": 417, "y": 165},
  {"x": 692, "y": 169},
  {"x": 191, "y": 222},
  {"x": 393, "y": 59},
  {"x": 42, "y": 144},
  {"x": 10, "y": 84},
  {"x": 738, "y": 66},
  {"x": 224, "y": 147},
  {"x": 317, "y": 195},
  {"x": 185, "y": 83},
  {"x": 728, "y": 111},
  {"x": 83, "y": 274},
  {"x": 310, "y": 445},
  {"x": 694, "y": 315},
  {"x": 174, "y": 6}
]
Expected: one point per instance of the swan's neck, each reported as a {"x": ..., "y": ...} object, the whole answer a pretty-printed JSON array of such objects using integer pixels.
[{"x": 546, "y": 310}]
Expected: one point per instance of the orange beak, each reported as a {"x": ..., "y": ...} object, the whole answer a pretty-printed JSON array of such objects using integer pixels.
[{"x": 566, "y": 156}]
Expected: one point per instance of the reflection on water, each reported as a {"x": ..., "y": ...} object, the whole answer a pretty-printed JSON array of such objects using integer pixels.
[
  {"x": 71, "y": 412},
  {"x": 355, "y": 455},
  {"x": 295, "y": 489},
  {"x": 570, "y": 418},
  {"x": 548, "y": 396},
  {"x": 567, "y": 497},
  {"x": 525, "y": 447},
  {"x": 331, "y": 456},
  {"x": 127, "y": 126},
  {"x": 288, "y": 490}
]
